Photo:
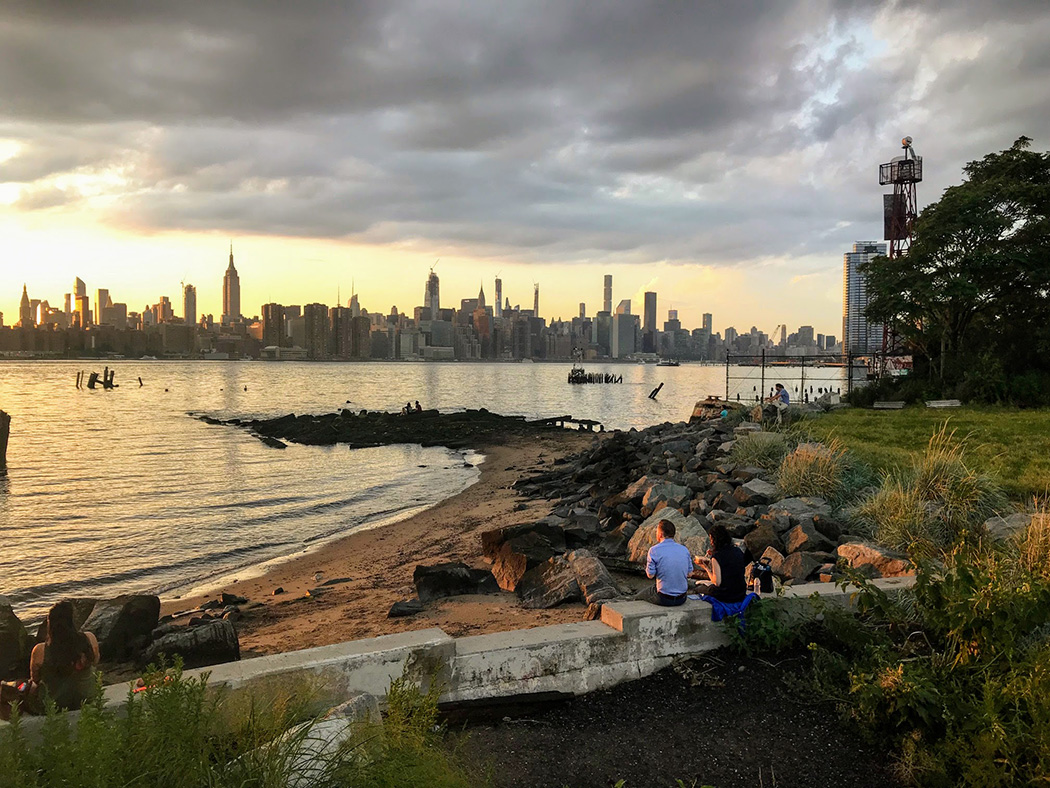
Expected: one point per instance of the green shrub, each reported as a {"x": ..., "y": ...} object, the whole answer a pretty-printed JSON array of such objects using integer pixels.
[{"x": 762, "y": 450}]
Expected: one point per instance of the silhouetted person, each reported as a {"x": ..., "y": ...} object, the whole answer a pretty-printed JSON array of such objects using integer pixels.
[{"x": 419, "y": 408}]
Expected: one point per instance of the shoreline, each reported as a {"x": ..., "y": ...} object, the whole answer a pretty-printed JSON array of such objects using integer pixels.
[{"x": 375, "y": 566}]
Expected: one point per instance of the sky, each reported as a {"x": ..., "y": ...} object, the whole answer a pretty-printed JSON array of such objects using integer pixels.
[{"x": 723, "y": 154}]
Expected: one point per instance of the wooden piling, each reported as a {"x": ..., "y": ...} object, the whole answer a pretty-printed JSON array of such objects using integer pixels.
[{"x": 5, "y": 430}]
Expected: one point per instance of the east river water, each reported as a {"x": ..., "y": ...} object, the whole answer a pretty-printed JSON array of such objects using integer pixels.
[{"x": 111, "y": 492}]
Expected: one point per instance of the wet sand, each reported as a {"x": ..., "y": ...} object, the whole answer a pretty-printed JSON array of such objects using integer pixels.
[{"x": 379, "y": 564}]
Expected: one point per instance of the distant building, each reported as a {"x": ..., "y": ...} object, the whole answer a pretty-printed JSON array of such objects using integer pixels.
[
  {"x": 708, "y": 323},
  {"x": 273, "y": 333},
  {"x": 497, "y": 307},
  {"x": 624, "y": 307},
  {"x": 82, "y": 310},
  {"x": 649, "y": 323},
  {"x": 624, "y": 327},
  {"x": 231, "y": 294},
  {"x": 859, "y": 335},
  {"x": 432, "y": 294},
  {"x": 25, "y": 310},
  {"x": 189, "y": 304},
  {"x": 101, "y": 302},
  {"x": 79, "y": 288},
  {"x": 607, "y": 301}
]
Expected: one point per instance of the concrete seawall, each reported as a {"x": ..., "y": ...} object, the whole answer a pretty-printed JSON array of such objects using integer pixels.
[{"x": 632, "y": 640}]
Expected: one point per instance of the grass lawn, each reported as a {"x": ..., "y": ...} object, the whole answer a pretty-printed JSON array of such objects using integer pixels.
[{"x": 1011, "y": 444}]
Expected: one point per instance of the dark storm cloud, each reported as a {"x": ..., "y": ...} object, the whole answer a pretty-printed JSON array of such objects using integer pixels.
[{"x": 713, "y": 131}]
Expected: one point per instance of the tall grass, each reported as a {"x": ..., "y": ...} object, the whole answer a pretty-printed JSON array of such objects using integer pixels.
[
  {"x": 935, "y": 504},
  {"x": 181, "y": 734},
  {"x": 763, "y": 450},
  {"x": 823, "y": 470},
  {"x": 1034, "y": 544}
]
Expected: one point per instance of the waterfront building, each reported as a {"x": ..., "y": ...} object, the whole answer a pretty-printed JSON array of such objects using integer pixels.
[
  {"x": 622, "y": 340},
  {"x": 189, "y": 304},
  {"x": 649, "y": 323},
  {"x": 858, "y": 334},
  {"x": 273, "y": 329},
  {"x": 231, "y": 294}
]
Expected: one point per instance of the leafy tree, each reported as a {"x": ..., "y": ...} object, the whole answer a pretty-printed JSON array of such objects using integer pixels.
[{"x": 976, "y": 279}]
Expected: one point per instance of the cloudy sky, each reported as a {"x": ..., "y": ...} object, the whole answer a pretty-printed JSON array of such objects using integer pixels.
[{"x": 722, "y": 153}]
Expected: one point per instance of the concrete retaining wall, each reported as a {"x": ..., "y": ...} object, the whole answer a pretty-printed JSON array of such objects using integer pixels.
[{"x": 632, "y": 640}]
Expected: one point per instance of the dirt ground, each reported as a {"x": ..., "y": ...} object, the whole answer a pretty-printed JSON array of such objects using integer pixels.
[{"x": 722, "y": 720}]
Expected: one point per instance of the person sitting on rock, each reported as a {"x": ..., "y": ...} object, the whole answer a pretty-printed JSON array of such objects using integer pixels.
[
  {"x": 669, "y": 563},
  {"x": 61, "y": 668},
  {"x": 419, "y": 408},
  {"x": 723, "y": 567}
]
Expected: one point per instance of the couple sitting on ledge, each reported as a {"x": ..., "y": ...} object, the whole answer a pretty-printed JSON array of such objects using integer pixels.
[
  {"x": 672, "y": 565},
  {"x": 60, "y": 669}
]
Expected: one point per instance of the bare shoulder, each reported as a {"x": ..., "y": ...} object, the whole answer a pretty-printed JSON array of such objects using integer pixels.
[
  {"x": 94, "y": 644},
  {"x": 38, "y": 653}
]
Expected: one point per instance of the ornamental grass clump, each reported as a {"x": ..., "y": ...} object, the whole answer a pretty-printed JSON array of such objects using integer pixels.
[
  {"x": 762, "y": 450},
  {"x": 1034, "y": 544},
  {"x": 937, "y": 503}
]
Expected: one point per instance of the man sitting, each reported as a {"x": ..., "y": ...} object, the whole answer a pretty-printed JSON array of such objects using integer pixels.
[
  {"x": 780, "y": 399},
  {"x": 670, "y": 564}
]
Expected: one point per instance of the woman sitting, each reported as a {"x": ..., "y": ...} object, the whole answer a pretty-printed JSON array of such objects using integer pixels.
[
  {"x": 61, "y": 668},
  {"x": 724, "y": 567}
]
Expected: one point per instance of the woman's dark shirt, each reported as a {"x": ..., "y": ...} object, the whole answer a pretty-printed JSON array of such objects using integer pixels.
[{"x": 733, "y": 587}]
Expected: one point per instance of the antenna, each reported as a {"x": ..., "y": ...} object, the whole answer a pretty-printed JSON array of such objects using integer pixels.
[{"x": 435, "y": 265}]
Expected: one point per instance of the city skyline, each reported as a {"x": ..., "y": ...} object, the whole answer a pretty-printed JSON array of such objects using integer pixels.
[{"x": 715, "y": 154}]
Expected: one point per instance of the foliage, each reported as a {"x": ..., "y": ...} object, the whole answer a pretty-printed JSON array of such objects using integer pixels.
[
  {"x": 826, "y": 471},
  {"x": 762, "y": 450},
  {"x": 1008, "y": 443},
  {"x": 956, "y": 674},
  {"x": 179, "y": 733},
  {"x": 975, "y": 285}
]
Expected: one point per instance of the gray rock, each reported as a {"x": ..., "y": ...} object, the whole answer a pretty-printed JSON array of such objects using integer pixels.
[
  {"x": 801, "y": 509},
  {"x": 493, "y": 540},
  {"x": 1008, "y": 527},
  {"x": 549, "y": 584},
  {"x": 123, "y": 625},
  {"x": 806, "y": 538},
  {"x": 210, "y": 644},
  {"x": 361, "y": 707},
  {"x": 755, "y": 492},
  {"x": 688, "y": 530},
  {"x": 828, "y": 526},
  {"x": 775, "y": 558},
  {"x": 452, "y": 579},
  {"x": 518, "y": 555},
  {"x": 596, "y": 584},
  {"x": 406, "y": 607},
  {"x": 877, "y": 560}
]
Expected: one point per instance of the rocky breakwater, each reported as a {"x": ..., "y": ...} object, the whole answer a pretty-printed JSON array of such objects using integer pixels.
[
  {"x": 469, "y": 429},
  {"x": 608, "y": 499},
  {"x": 130, "y": 630}
]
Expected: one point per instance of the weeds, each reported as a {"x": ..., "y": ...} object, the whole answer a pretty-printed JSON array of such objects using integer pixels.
[{"x": 763, "y": 450}]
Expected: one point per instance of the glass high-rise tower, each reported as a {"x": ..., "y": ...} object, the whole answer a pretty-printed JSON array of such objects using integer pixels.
[{"x": 858, "y": 334}]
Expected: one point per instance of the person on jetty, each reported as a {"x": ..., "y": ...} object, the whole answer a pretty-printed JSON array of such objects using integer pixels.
[
  {"x": 61, "y": 668},
  {"x": 669, "y": 563},
  {"x": 724, "y": 568},
  {"x": 419, "y": 408},
  {"x": 780, "y": 399}
]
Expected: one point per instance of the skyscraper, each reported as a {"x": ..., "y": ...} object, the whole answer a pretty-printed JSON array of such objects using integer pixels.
[
  {"x": 607, "y": 302},
  {"x": 583, "y": 310},
  {"x": 624, "y": 307},
  {"x": 498, "y": 306},
  {"x": 189, "y": 304},
  {"x": 708, "y": 323},
  {"x": 536, "y": 300},
  {"x": 432, "y": 295},
  {"x": 79, "y": 288},
  {"x": 858, "y": 335},
  {"x": 101, "y": 302},
  {"x": 25, "y": 310},
  {"x": 231, "y": 294}
]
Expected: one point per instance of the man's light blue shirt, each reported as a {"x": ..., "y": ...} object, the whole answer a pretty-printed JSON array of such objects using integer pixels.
[{"x": 670, "y": 563}]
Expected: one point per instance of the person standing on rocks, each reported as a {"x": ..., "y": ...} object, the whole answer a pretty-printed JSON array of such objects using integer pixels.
[{"x": 669, "y": 563}]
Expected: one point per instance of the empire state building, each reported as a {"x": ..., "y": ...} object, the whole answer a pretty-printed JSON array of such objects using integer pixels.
[{"x": 231, "y": 294}]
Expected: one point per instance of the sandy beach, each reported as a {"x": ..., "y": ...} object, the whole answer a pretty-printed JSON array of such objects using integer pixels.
[{"x": 379, "y": 564}]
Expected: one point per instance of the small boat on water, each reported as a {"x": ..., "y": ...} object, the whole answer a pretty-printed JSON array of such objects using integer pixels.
[{"x": 668, "y": 362}]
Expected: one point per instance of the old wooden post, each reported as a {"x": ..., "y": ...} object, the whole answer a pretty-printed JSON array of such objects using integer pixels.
[{"x": 5, "y": 429}]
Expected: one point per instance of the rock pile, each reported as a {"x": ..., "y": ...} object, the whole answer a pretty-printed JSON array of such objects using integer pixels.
[
  {"x": 130, "y": 629},
  {"x": 608, "y": 499}
]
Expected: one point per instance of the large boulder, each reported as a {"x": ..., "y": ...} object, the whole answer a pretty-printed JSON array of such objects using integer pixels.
[
  {"x": 452, "y": 579},
  {"x": 670, "y": 495},
  {"x": 518, "y": 555},
  {"x": 596, "y": 584},
  {"x": 208, "y": 644},
  {"x": 804, "y": 537},
  {"x": 15, "y": 644},
  {"x": 124, "y": 625},
  {"x": 493, "y": 540},
  {"x": 634, "y": 492},
  {"x": 762, "y": 538},
  {"x": 549, "y": 584},
  {"x": 688, "y": 530},
  {"x": 755, "y": 492},
  {"x": 874, "y": 559}
]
